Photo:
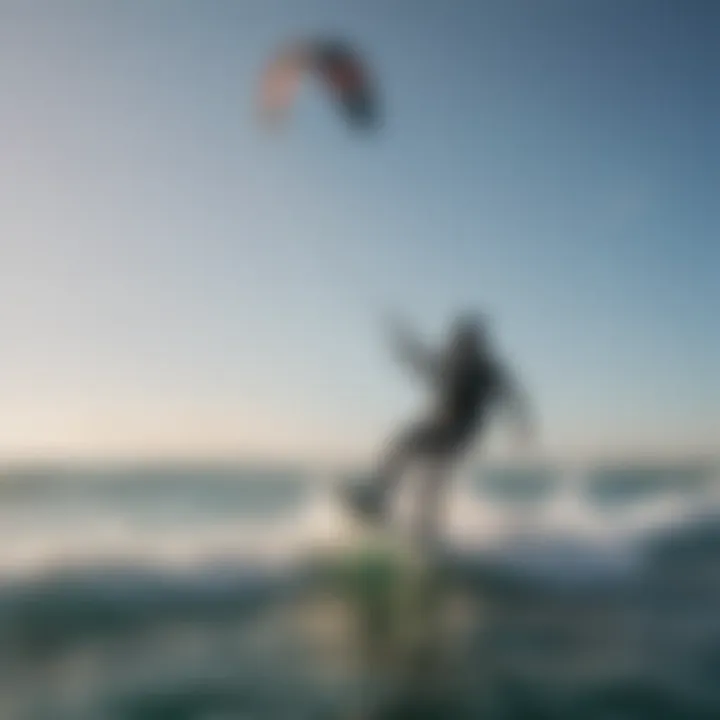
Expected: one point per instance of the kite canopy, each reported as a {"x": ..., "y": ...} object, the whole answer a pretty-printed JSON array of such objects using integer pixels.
[{"x": 337, "y": 66}]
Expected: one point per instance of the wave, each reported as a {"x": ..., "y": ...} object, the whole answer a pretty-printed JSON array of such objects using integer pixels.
[
  {"x": 72, "y": 604},
  {"x": 97, "y": 563},
  {"x": 230, "y": 569}
]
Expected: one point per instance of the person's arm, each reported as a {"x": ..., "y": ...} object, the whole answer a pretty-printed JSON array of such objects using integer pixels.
[{"x": 410, "y": 351}]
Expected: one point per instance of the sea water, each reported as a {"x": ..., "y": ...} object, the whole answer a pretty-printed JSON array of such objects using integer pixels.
[{"x": 139, "y": 592}]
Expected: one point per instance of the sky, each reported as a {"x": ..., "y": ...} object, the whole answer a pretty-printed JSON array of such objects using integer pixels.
[{"x": 174, "y": 281}]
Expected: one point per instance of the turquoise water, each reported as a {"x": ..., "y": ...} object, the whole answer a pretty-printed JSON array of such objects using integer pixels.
[{"x": 150, "y": 592}]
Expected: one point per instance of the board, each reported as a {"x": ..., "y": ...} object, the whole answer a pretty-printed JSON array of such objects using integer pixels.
[{"x": 394, "y": 586}]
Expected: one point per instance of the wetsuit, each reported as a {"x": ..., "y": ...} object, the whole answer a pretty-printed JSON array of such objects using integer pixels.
[{"x": 468, "y": 383}]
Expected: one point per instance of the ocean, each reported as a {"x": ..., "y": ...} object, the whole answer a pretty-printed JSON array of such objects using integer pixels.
[{"x": 160, "y": 591}]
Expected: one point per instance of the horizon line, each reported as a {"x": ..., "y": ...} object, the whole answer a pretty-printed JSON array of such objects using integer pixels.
[{"x": 265, "y": 461}]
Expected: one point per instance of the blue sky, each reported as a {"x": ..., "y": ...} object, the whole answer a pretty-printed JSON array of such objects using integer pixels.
[{"x": 173, "y": 280}]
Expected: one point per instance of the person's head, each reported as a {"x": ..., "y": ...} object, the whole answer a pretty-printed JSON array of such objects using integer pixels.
[{"x": 469, "y": 333}]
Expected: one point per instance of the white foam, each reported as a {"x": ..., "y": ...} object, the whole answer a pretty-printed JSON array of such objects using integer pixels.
[{"x": 31, "y": 541}]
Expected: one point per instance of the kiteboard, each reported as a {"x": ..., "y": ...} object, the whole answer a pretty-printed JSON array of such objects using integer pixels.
[{"x": 394, "y": 586}]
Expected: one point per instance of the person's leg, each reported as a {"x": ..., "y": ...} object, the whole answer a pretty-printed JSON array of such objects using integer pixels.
[
  {"x": 430, "y": 498},
  {"x": 371, "y": 500},
  {"x": 450, "y": 444},
  {"x": 399, "y": 452}
]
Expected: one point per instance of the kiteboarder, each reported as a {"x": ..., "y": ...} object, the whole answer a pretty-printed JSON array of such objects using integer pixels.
[{"x": 469, "y": 381}]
